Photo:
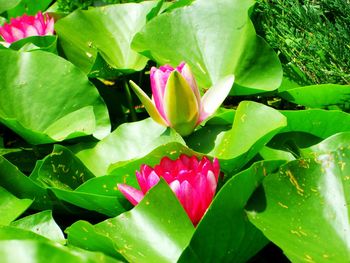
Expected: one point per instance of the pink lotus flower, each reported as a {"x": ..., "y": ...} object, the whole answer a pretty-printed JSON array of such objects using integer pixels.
[
  {"x": 26, "y": 26},
  {"x": 176, "y": 100},
  {"x": 193, "y": 182}
]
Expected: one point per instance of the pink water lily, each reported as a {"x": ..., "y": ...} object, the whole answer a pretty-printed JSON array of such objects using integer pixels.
[
  {"x": 176, "y": 101},
  {"x": 26, "y": 26},
  {"x": 194, "y": 182}
]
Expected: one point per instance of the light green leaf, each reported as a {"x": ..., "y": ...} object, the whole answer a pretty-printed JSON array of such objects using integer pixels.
[
  {"x": 320, "y": 96},
  {"x": 128, "y": 141},
  {"x": 31, "y": 82},
  {"x": 160, "y": 230},
  {"x": 11, "y": 207},
  {"x": 42, "y": 224},
  {"x": 216, "y": 40},
  {"x": 107, "y": 30},
  {"x": 304, "y": 208}
]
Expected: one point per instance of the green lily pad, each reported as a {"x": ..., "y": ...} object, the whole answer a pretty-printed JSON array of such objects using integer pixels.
[
  {"x": 8, "y": 4},
  {"x": 106, "y": 30},
  {"x": 13, "y": 180},
  {"x": 11, "y": 207},
  {"x": 320, "y": 96},
  {"x": 320, "y": 123},
  {"x": 304, "y": 208},
  {"x": 128, "y": 141},
  {"x": 216, "y": 40},
  {"x": 224, "y": 234},
  {"x": 31, "y": 82},
  {"x": 60, "y": 169},
  {"x": 101, "y": 194},
  {"x": 160, "y": 230},
  {"x": 28, "y": 7},
  {"x": 254, "y": 125},
  {"x": 41, "y": 252},
  {"x": 42, "y": 224},
  {"x": 46, "y": 43}
]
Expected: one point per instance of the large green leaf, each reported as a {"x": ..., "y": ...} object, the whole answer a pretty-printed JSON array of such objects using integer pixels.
[
  {"x": 320, "y": 123},
  {"x": 60, "y": 169},
  {"x": 128, "y": 141},
  {"x": 7, "y": 4},
  {"x": 107, "y": 30},
  {"x": 304, "y": 208},
  {"x": 46, "y": 43},
  {"x": 11, "y": 207},
  {"x": 42, "y": 224},
  {"x": 44, "y": 98},
  {"x": 224, "y": 234},
  {"x": 26, "y": 251},
  {"x": 156, "y": 230},
  {"x": 22, "y": 186},
  {"x": 216, "y": 39},
  {"x": 101, "y": 194},
  {"x": 332, "y": 143},
  {"x": 254, "y": 125},
  {"x": 28, "y": 7},
  {"x": 319, "y": 96}
]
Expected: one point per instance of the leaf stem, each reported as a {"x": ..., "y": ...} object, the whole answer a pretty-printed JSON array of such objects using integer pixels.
[{"x": 129, "y": 99}]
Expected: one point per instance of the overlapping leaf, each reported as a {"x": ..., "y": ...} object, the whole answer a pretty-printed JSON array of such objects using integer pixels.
[
  {"x": 128, "y": 141},
  {"x": 225, "y": 223},
  {"x": 216, "y": 39},
  {"x": 306, "y": 204},
  {"x": 45, "y": 98},
  {"x": 105, "y": 30},
  {"x": 160, "y": 230},
  {"x": 320, "y": 96},
  {"x": 254, "y": 125}
]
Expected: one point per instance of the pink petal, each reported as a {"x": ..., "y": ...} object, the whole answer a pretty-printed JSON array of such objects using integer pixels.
[
  {"x": 17, "y": 34},
  {"x": 50, "y": 27},
  {"x": 187, "y": 74},
  {"x": 30, "y": 31},
  {"x": 212, "y": 184},
  {"x": 5, "y": 32},
  {"x": 175, "y": 186},
  {"x": 132, "y": 194},
  {"x": 152, "y": 180},
  {"x": 166, "y": 68},
  {"x": 158, "y": 83}
]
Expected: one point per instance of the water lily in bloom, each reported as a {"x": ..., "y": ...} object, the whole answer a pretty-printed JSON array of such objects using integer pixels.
[
  {"x": 193, "y": 181},
  {"x": 26, "y": 26},
  {"x": 176, "y": 101}
]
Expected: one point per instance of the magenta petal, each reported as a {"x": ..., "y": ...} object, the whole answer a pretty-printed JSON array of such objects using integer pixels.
[
  {"x": 132, "y": 194},
  {"x": 142, "y": 181}
]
